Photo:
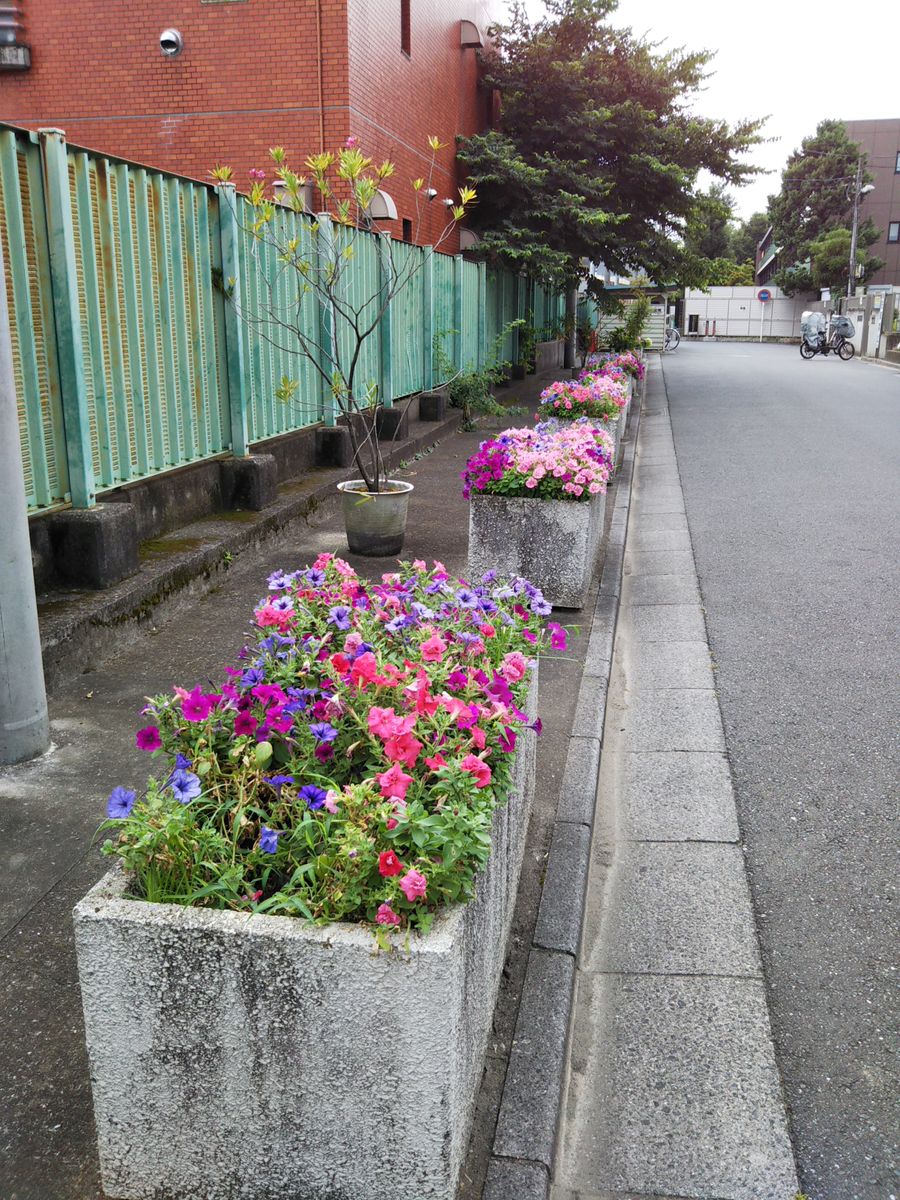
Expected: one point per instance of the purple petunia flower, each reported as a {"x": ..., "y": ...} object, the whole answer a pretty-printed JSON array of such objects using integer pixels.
[
  {"x": 120, "y": 803},
  {"x": 466, "y": 598},
  {"x": 268, "y": 840},
  {"x": 277, "y": 781},
  {"x": 323, "y": 732},
  {"x": 278, "y": 581},
  {"x": 339, "y": 616},
  {"x": 252, "y": 676},
  {"x": 541, "y": 608},
  {"x": 283, "y": 604},
  {"x": 186, "y": 786},
  {"x": 182, "y": 762},
  {"x": 315, "y": 577},
  {"x": 313, "y": 795}
]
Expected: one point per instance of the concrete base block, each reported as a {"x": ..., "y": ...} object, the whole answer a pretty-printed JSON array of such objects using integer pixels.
[
  {"x": 94, "y": 547},
  {"x": 333, "y": 447},
  {"x": 432, "y": 406},
  {"x": 235, "y": 1056},
  {"x": 249, "y": 483},
  {"x": 552, "y": 543},
  {"x": 393, "y": 424}
]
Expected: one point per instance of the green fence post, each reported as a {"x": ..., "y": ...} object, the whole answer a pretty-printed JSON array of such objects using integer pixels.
[
  {"x": 521, "y": 283},
  {"x": 428, "y": 319},
  {"x": 67, "y": 317},
  {"x": 458, "y": 309},
  {"x": 327, "y": 333},
  {"x": 386, "y": 325},
  {"x": 482, "y": 314},
  {"x": 232, "y": 299}
]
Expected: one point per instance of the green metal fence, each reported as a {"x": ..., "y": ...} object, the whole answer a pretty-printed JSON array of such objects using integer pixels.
[{"x": 150, "y": 329}]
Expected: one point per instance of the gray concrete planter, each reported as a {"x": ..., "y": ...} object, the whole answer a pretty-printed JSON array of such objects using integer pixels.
[
  {"x": 259, "y": 1058},
  {"x": 552, "y": 543}
]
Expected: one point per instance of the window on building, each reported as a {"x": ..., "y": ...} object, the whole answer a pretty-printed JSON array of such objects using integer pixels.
[
  {"x": 693, "y": 323},
  {"x": 897, "y": 164},
  {"x": 405, "y": 27},
  {"x": 894, "y": 231},
  {"x": 407, "y": 230}
]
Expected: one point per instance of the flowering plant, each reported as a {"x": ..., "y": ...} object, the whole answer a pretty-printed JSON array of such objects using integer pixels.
[
  {"x": 626, "y": 361},
  {"x": 550, "y": 461},
  {"x": 596, "y": 396},
  {"x": 348, "y": 770}
]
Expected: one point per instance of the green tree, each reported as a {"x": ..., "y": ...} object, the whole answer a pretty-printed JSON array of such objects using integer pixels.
[
  {"x": 816, "y": 199},
  {"x": 746, "y": 236},
  {"x": 708, "y": 234},
  {"x": 598, "y": 153},
  {"x": 829, "y": 260}
]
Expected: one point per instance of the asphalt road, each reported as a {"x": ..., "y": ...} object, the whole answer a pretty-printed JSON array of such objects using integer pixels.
[{"x": 790, "y": 476}]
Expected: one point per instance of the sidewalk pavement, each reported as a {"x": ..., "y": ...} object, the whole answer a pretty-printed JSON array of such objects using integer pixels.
[
  {"x": 50, "y": 810},
  {"x": 673, "y": 1088}
]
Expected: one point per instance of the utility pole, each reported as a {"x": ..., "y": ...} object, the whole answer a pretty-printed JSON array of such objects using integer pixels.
[
  {"x": 851, "y": 279},
  {"x": 24, "y": 724}
]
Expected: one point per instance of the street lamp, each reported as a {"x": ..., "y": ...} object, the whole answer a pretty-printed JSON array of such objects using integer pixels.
[{"x": 857, "y": 192}]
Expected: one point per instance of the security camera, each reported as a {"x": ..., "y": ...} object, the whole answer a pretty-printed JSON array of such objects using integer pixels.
[
  {"x": 430, "y": 193},
  {"x": 171, "y": 43}
]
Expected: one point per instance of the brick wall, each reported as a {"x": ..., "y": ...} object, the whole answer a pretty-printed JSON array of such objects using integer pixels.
[{"x": 248, "y": 79}]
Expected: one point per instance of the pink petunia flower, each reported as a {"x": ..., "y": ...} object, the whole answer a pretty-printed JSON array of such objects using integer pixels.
[
  {"x": 433, "y": 649},
  {"x": 477, "y": 768},
  {"x": 413, "y": 885},
  {"x": 386, "y": 915},
  {"x": 394, "y": 782},
  {"x": 514, "y": 666}
]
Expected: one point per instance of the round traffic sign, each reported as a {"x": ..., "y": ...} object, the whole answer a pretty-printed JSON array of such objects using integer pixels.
[{"x": 763, "y": 295}]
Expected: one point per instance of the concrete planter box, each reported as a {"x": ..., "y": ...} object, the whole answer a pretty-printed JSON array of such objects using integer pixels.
[
  {"x": 552, "y": 543},
  {"x": 259, "y": 1058}
]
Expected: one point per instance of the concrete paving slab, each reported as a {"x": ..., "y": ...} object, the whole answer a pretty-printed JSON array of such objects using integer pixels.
[
  {"x": 651, "y": 623},
  {"x": 656, "y": 521},
  {"x": 660, "y": 589},
  {"x": 676, "y": 908},
  {"x": 658, "y": 500},
  {"x": 674, "y": 1091},
  {"x": 657, "y": 475},
  {"x": 508, "y": 1177},
  {"x": 652, "y": 665},
  {"x": 659, "y": 562},
  {"x": 659, "y": 539},
  {"x": 674, "y": 719},
  {"x": 678, "y": 797}
]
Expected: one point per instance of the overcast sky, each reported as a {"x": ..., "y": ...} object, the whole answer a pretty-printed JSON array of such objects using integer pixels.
[{"x": 796, "y": 63}]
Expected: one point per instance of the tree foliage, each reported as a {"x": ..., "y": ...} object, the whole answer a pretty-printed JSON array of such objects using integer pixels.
[
  {"x": 816, "y": 200},
  {"x": 746, "y": 236},
  {"x": 708, "y": 233},
  {"x": 598, "y": 153}
]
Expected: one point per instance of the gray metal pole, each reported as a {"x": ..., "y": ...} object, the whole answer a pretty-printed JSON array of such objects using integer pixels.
[
  {"x": 851, "y": 280},
  {"x": 24, "y": 724}
]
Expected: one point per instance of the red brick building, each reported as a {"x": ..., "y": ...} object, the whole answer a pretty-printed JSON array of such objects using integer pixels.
[{"x": 305, "y": 74}]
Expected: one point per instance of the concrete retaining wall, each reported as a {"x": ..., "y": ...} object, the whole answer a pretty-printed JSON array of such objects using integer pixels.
[{"x": 235, "y": 1057}]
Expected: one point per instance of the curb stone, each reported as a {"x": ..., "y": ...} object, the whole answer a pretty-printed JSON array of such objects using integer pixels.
[{"x": 525, "y": 1138}]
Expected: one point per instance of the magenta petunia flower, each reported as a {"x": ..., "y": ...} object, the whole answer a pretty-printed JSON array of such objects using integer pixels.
[{"x": 148, "y": 739}]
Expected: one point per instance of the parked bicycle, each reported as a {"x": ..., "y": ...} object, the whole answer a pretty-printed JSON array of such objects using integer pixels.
[
  {"x": 816, "y": 339},
  {"x": 673, "y": 338}
]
